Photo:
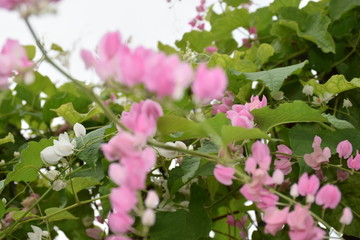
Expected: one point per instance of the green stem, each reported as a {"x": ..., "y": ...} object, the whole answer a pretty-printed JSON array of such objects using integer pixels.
[{"x": 223, "y": 198}]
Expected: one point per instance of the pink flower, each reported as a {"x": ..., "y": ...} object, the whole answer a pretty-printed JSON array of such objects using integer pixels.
[
  {"x": 342, "y": 175},
  {"x": 260, "y": 156},
  {"x": 224, "y": 175},
  {"x": 283, "y": 165},
  {"x": 246, "y": 42},
  {"x": 300, "y": 222},
  {"x": 94, "y": 233},
  {"x": 344, "y": 149},
  {"x": 117, "y": 237},
  {"x": 241, "y": 118},
  {"x": 278, "y": 177},
  {"x": 142, "y": 117},
  {"x": 252, "y": 30},
  {"x": 319, "y": 156},
  {"x": 167, "y": 75},
  {"x": 346, "y": 216},
  {"x": 255, "y": 103},
  {"x": 230, "y": 220},
  {"x": 308, "y": 185},
  {"x": 354, "y": 163},
  {"x": 329, "y": 196},
  {"x": 209, "y": 84},
  {"x": 211, "y": 49},
  {"x": 275, "y": 219},
  {"x": 123, "y": 199},
  {"x": 283, "y": 149},
  {"x": 13, "y": 58},
  {"x": 120, "y": 222}
]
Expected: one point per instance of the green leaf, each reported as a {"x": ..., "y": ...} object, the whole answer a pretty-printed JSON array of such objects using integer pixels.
[
  {"x": 68, "y": 112},
  {"x": 92, "y": 142},
  {"x": 222, "y": 25},
  {"x": 264, "y": 52},
  {"x": 338, "y": 123},
  {"x": 18, "y": 214},
  {"x": 235, "y": 3},
  {"x": 197, "y": 40},
  {"x": 295, "y": 112},
  {"x": 7, "y": 139},
  {"x": 166, "y": 49},
  {"x": 231, "y": 134},
  {"x": 273, "y": 78},
  {"x": 56, "y": 47},
  {"x": 30, "y": 51},
  {"x": 80, "y": 183},
  {"x": 182, "y": 224},
  {"x": 338, "y": 7},
  {"x": 312, "y": 27},
  {"x": 336, "y": 84},
  {"x": 189, "y": 166},
  {"x": 226, "y": 62},
  {"x": 59, "y": 216},
  {"x": 2, "y": 209},
  {"x": 30, "y": 163},
  {"x": 278, "y": 4}
]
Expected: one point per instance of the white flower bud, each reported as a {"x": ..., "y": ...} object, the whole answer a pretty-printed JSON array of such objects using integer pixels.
[
  {"x": 347, "y": 103},
  {"x": 2, "y": 162},
  {"x": 278, "y": 177},
  {"x": 279, "y": 95},
  {"x": 4, "y": 200},
  {"x": 148, "y": 218},
  {"x": 52, "y": 174},
  {"x": 49, "y": 156},
  {"x": 16, "y": 154},
  {"x": 294, "y": 191},
  {"x": 152, "y": 199},
  {"x": 29, "y": 77},
  {"x": 63, "y": 146},
  {"x": 79, "y": 130},
  {"x": 346, "y": 216},
  {"x": 58, "y": 185},
  {"x": 310, "y": 198},
  {"x": 308, "y": 90}
]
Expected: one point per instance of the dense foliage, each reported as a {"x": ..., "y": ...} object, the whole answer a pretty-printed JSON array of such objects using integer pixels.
[{"x": 155, "y": 156}]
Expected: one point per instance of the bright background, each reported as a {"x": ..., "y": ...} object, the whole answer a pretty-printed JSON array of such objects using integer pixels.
[{"x": 81, "y": 23}]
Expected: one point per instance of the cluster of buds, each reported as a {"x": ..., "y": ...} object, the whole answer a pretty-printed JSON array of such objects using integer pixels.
[{"x": 198, "y": 21}]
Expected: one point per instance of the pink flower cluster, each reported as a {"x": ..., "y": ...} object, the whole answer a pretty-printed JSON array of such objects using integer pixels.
[
  {"x": 344, "y": 149},
  {"x": 132, "y": 161},
  {"x": 257, "y": 166},
  {"x": 301, "y": 223},
  {"x": 283, "y": 161},
  {"x": 166, "y": 76},
  {"x": 12, "y": 4},
  {"x": 198, "y": 21},
  {"x": 13, "y": 58},
  {"x": 240, "y": 114},
  {"x": 318, "y": 156}
]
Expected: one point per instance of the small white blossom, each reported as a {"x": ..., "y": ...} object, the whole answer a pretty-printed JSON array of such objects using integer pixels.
[
  {"x": 148, "y": 218},
  {"x": 37, "y": 234},
  {"x": 152, "y": 199},
  {"x": 308, "y": 90},
  {"x": 49, "y": 156},
  {"x": 79, "y": 130},
  {"x": 322, "y": 98},
  {"x": 4, "y": 200},
  {"x": 294, "y": 191},
  {"x": 2, "y": 162},
  {"x": 279, "y": 95},
  {"x": 52, "y": 174},
  {"x": 16, "y": 154},
  {"x": 170, "y": 153},
  {"x": 58, "y": 185},
  {"x": 347, "y": 103},
  {"x": 63, "y": 146}
]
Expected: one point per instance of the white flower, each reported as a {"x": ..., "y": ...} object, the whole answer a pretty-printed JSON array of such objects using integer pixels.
[
  {"x": 16, "y": 154},
  {"x": 148, "y": 218},
  {"x": 322, "y": 98},
  {"x": 63, "y": 146},
  {"x": 79, "y": 130},
  {"x": 58, "y": 185},
  {"x": 294, "y": 191},
  {"x": 170, "y": 153},
  {"x": 347, "y": 103},
  {"x": 279, "y": 95},
  {"x": 308, "y": 90},
  {"x": 152, "y": 199},
  {"x": 49, "y": 156},
  {"x": 2, "y": 162},
  {"x": 52, "y": 174},
  {"x": 37, "y": 234}
]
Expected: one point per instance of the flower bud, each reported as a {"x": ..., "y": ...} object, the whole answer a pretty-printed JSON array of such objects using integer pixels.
[
  {"x": 148, "y": 218},
  {"x": 344, "y": 149},
  {"x": 347, "y": 103},
  {"x": 152, "y": 199},
  {"x": 346, "y": 216},
  {"x": 294, "y": 191},
  {"x": 79, "y": 130},
  {"x": 278, "y": 177},
  {"x": 52, "y": 174},
  {"x": 308, "y": 90},
  {"x": 58, "y": 185}
]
